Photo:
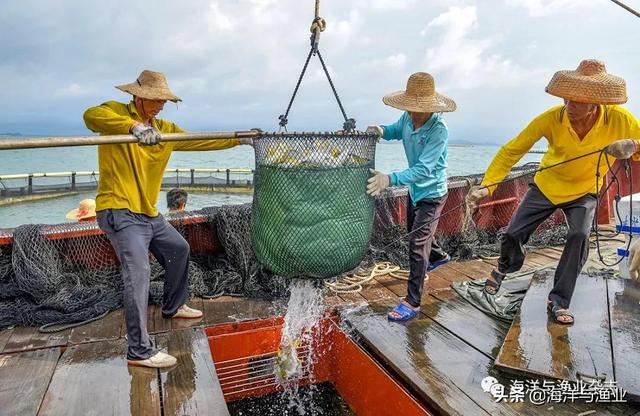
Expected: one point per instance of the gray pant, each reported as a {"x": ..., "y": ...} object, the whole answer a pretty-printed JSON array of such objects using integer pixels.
[
  {"x": 132, "y": 237},
  {"x": 421, "y": 220},
  {"x": 533, "y": 210}
]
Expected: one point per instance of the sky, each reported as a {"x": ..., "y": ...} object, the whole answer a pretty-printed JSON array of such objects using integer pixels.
[{"x": 235, "y": 62}]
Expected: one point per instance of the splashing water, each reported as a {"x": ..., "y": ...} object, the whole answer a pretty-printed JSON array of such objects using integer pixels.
[{"x": 296, "y": 355}]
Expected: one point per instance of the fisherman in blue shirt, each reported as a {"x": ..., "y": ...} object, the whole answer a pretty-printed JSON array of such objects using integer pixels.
[{"x": 424, "y": 137}]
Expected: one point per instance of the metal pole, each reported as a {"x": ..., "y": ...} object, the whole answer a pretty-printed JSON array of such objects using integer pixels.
[
  {"x": 627, "y": 8},
  {"x": 73, "y": 181},
  {"x": 35, "y": 143}
]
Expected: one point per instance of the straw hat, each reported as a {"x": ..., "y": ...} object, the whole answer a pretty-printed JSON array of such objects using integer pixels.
[
  {"x": 588, "y": 84},
  {"x": 86, "y": 209},
  {"x": 420, "y": 96},
  {"x": 151, "y": 85}
]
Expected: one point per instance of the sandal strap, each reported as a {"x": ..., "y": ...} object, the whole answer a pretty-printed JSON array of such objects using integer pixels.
[
  {"x": 404, "y": 310},
  {"x": 498, "y": 278}
]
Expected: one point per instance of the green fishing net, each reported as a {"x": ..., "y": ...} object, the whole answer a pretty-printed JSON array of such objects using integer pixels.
[{"x": 311, "y": 216}]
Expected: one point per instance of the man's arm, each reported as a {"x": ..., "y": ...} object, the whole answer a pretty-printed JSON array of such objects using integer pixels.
[
  {"x": 513, "y": 151},
  {"x": 394, "y": 131},
  {"x": 103, "y": 119},
  {"x": 169, "y": 127},
  {"x": 427, "y": 161}
]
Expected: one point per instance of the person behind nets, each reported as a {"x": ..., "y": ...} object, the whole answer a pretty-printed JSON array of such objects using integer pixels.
[
  {"x": 587, "y": 121},
  {"x": 86, "y": 211},
  {"x": 176, "y": 200},
  {"x": 128, "y": 189},
  {"x": 424, "y": 134}
]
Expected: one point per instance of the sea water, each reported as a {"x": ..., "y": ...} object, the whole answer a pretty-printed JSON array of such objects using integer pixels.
[{"x": 463, "y": 160}]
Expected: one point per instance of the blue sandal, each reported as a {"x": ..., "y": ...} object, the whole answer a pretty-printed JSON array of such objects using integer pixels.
[
  {"x": 405, "y": 313},
  {"x": 444, "y": 260}
]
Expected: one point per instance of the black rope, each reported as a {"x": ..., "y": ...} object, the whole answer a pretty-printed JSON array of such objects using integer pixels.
[
  {"x": 317, "y": 26},
  {"x": 284, "y": 117},
  {"x": 349, "y": 123},
  {"x": 614, "y": 178},
  {"x": 49, "y": 328}
]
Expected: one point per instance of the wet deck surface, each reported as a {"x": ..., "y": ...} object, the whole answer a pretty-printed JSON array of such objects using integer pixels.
[{"x": 441, "y": 357}]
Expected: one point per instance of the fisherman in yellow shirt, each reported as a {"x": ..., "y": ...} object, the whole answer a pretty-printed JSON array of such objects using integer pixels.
[
  {"x": 129, "y": 186},
  {"x": 588, "y": 121}
]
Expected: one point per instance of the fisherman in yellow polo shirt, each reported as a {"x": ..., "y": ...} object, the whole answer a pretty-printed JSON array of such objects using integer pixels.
[
  {"x": 129, "y": 186},
  {"x": 588, "y": 121}
]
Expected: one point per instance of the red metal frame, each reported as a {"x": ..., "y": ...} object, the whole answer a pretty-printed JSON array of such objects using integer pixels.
[{"x": 366, "y": 387}]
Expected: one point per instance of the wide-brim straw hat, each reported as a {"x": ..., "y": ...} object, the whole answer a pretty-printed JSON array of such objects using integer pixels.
[
  {"x": 86, "y": 209},
  {"x": 589, "y": 83},
  {"x": 150, "y": 85},
  {"x": 420, "y": 96}
]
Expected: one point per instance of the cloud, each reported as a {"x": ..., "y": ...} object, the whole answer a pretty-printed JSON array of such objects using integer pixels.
[
  {"x": 74, "y": 90},
  {"x": 540, "y": 8},
  {"x": 462, "y": 60},
  {"x": 236, "y": 63}
]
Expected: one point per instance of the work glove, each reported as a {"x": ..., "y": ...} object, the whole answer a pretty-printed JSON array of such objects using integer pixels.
[
  {"x": 476, "y": 193},
  {"x": 146, "y": 135},
  {"x": 377, "y": 183},
  {"x": 622, "y": 149},
  {"x": 375, "y": 130},
  {"x": 634, "y": 260},
  {"x": 246, "y": 140}
]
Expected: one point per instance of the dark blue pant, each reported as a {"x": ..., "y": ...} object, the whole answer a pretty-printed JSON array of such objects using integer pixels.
[
  {"x": 132, "y": 237},
  {"x": 533, "y": 210},
  {"x": 420, "y": 218}
]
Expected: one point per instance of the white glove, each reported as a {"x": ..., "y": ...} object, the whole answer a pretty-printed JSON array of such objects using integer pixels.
[
  {"x": 375, "y": 130},
  {"x": 246, "y": 140},
  {"x": 377, "y": 183},
  {"x": 622, "y": 149},
  {"x": 634, "y": 260},
  {"x": 476, "y": 193},
  {"x": 146, "y": 135}
]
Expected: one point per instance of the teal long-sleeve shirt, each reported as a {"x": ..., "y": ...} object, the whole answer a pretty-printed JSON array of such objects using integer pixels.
[{"x": 426, "y": 150}]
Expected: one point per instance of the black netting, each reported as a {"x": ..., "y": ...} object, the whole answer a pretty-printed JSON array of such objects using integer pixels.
[
  {"x": 69, "y": 272},
  {"x": 311, "y": 214}
]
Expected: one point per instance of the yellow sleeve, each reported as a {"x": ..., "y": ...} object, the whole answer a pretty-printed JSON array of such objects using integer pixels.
[
  {"x": 105, "y": 120},
  {"x": 512, "y": 152},
  {"x": 634, "y": 133},
  {"x": 201, "y": 144}
]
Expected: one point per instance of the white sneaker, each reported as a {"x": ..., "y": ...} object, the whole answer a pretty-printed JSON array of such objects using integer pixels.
[
  {"x": 186, "y": 312},
  {"x": 158, "y": 360}
]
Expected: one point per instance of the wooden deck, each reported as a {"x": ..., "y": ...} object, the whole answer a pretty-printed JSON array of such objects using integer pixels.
[{"x": 441, "y": 357}]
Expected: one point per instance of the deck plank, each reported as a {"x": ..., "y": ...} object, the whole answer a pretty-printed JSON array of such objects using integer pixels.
[
  {"x": 220, "y": 310},
  {"x": 624, "y": 301},
  {"x": 192, "y": 387},
  {"x": 160, "y": 325},
  {"x": 249, "y": 309},
  {"x": 25, "y": 377},
  {"x": 5, "y": 334},
  {"x": 537, "y": 345},
  {"x": 94, "y": 379},
  {"x": 106, "y": 328},
  {"x": 29, "y": 338},
  {"x": 482, "y": 367},
  {"x": 439, "y": 367},
  {"x": 456, "y": 315}
]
